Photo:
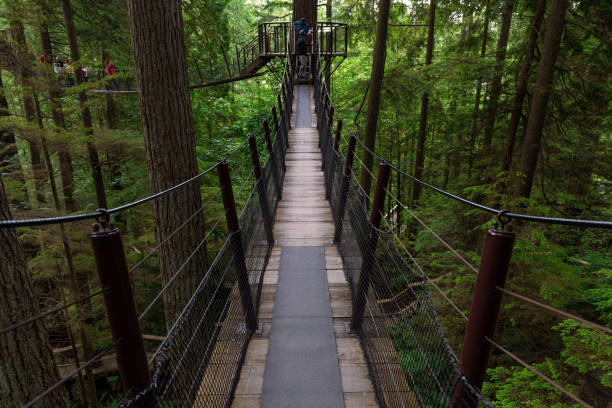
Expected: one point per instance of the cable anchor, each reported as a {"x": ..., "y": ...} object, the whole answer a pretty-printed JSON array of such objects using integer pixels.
[
  {"x": 503, "y": 220},
  {"x": 103, "y": 219}
]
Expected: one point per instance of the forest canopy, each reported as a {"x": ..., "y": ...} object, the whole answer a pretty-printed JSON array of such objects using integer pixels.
[{"x": 506, "y": 103}]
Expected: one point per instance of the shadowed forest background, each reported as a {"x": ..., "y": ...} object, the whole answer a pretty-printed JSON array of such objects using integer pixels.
[{"x": 66, "y": 150}]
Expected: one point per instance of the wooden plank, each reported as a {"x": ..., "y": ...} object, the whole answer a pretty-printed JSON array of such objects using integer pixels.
[{"x": 303, "y": 241}]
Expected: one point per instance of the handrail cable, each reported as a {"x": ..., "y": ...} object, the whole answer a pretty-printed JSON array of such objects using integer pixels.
[
  {"x": 555, "y": 310},
  {"x": 524, "y": 217},
  {"x": 154, "y": 250},
  {"x": 71, "y": 374},
  {"x": 413, "y": 215},
  {"x": 49, "y": 312},
  {"x": 195, "y": 292},
  {"x": 511, "y": 293},
  {"x": 537, "y": 372},
  {"x": 473, "y": 268},
  {"x": 98, "y": 213},
  {"x": 180, "y": 269},
  {"x": 429, "y": 280}
]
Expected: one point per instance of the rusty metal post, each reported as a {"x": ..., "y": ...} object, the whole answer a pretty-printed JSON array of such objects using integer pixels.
[
  {"x": 370, "y": 249},
  {"x": 277, "y": 128},
  {"x": 261, "y": 190},
  {"x": 338, "y": 134},
  {"x": 121, "y": 310},
  {"x": 330, "y": 117},
  {"x": 225, "y": 182},
  {"x": 275, "y": 168},
  {"x": 484, "y": 310},
  {"x": 286, "y": 118},
  {"x": 348, "y": 169}
]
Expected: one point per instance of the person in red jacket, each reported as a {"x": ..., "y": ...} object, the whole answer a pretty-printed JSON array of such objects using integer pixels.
[{"x": 110, "y": 70}]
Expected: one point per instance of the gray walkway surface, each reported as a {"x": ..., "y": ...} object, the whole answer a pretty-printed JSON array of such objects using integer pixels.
[
  {"x": 304, "y": 114},
  {"x": 302, "y": 368}
]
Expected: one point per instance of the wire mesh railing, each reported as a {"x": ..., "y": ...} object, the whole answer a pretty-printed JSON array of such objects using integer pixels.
[
  {"x": 209, "y": 313},
  {"x": 410, "y": 359}
]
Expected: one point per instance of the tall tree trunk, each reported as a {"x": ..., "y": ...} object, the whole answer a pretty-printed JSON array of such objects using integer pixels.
[
  {"x": 420, "y": 150},
  {"x": 376, "y": 79},
  {"x": 476, "y": 111},
  {"x": 169, "y": 137},
  {"x": 25, "y": 74},
  {"x": 542, "y": 88},
  {"x": 94, "y": 160},
  {"x": 521, "y": 89},
  {"x": 306, "y": 9},
  {"x": 65, "y": 158},
  {"x": 9, "y": 160},
  {"x": 77, "y": 292},
  {"x": 26, "y": 359},
  {"x": 496, "y": 83}
]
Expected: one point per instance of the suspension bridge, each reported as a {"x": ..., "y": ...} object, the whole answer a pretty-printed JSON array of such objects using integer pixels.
[{"x": 310, "y": 291}]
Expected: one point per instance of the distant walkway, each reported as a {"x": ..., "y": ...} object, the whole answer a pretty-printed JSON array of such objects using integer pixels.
[{"x": 304, "y": 357}]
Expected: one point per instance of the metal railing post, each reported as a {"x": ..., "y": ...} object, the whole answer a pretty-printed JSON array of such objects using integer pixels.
[
  {"x": 229, "y": 205},
  {"x": 370, "y": 249},
  {"x": 486, "y": 301},
  {"x": 121, "y": 310},
  {"x": 275, "y": 168},
  {"x": 338, "y": 134},
  {"x": 285, "y": 119},
  {"x": 261, "y": 189},
  {"x": 277, "y": 128},
  {"x": 346, "y": 178}
]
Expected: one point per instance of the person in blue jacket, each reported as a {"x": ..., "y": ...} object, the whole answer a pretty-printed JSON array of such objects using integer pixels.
[{"x": 301, "y": 26}]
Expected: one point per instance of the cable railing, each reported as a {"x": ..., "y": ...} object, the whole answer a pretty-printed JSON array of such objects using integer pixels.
[
  {"x": 209, "y": 313},
  {"x": 393, "y": 309}
]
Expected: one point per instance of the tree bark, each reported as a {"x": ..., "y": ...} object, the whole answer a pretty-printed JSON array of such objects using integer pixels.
[
  {"x": 306, "y": 9},
  {"x": 521, "y": 89},
  {"x": 476, "y": 111},
  {"x": 496, "y": 83},
  {"x": 9, "y": 160},
  {"x": 420, "y": 150},
  {"x": 27, "y": 367},
  {"x": 25, "y": 76},
  {"x": 65, "y": 158},
  {"x": 376, "y": 79},
  {"x": 169, "y": 137},
  {"x": 542, "y": 89},
  {"x": 94, "y": 160}
]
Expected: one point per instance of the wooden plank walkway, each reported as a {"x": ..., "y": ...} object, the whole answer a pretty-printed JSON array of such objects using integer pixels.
[{"x": 303, "y": 218}]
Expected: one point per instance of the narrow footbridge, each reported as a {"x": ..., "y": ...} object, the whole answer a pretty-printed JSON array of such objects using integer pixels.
[{"x": 309, "y": 299}]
